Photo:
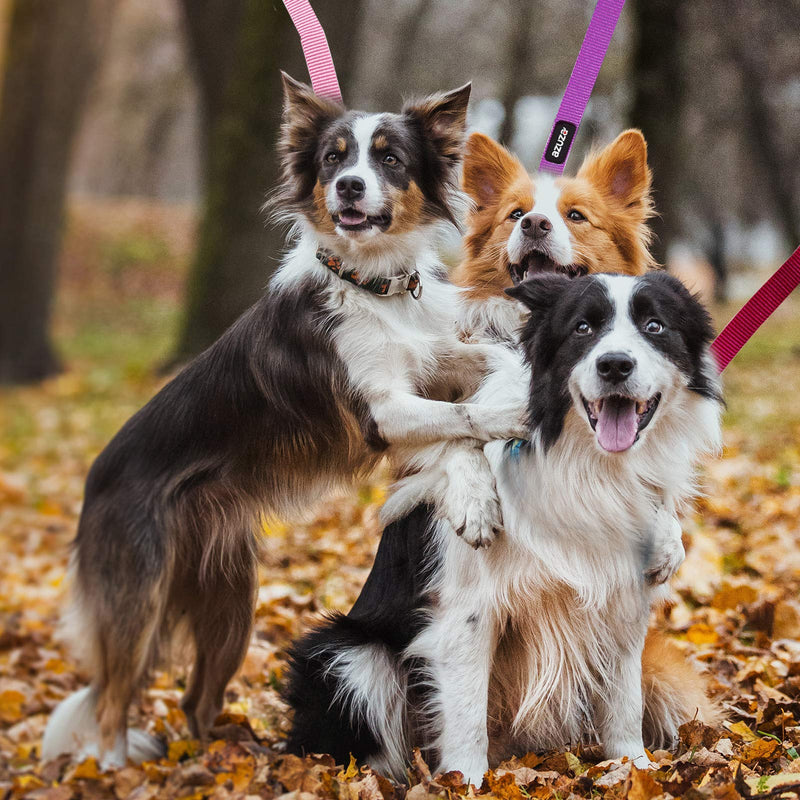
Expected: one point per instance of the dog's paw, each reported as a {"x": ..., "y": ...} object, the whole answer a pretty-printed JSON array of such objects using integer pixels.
[
  {"x": 669, "y": 552},
  {"x": 471, "y": 506},
  {"x": 643, "y": 762},
  {"x": 481, "y": 521}
]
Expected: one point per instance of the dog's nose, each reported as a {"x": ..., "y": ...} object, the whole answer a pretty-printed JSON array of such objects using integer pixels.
[
  {"x": 537, "y": 226},
  {"x": 615, "y": 367},
  {"x": 349, "y": 187}
]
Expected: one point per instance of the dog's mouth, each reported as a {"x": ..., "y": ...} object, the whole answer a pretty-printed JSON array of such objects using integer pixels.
[
  {"x": 535, "y": 262},
  {"x": 619, "y": 420},
  {"x": 351, "y": 219}
]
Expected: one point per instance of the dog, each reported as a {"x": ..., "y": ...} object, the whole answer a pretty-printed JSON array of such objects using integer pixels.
[
  {"x": 350, "y": 355},
  {"x": 522, "y": 224},
  {"x": 535, "y": 643}
]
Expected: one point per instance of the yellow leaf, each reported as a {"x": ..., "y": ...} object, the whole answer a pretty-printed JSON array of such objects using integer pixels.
[
  {"x": 742, "y": 730},
  {"x": 734, "y": 596},
  {"x": 760, "y": 750},
  {"x": 183, "y": 747},
  {"x": 351, "y": 771},
  {"x": 11, "y": 702},
  {"x": 702, "y": 634},
  {"x": 86, "y": 769}
]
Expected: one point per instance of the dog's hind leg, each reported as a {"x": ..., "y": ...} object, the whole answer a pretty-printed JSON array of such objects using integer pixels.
[
  {"x": 221, "y": 608},
  {"x": 123, "y": 630}
]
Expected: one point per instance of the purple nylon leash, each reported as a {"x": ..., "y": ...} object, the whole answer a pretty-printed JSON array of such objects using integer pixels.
[
  {"x": 581, "y": 82},
  {"x": 315, "y": 49}
]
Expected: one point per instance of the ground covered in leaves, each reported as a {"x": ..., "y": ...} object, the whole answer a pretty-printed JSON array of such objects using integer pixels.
[{"x": 736, "y": 604}]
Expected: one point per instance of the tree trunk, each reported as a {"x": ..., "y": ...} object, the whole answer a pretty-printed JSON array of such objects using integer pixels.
[
  {"x": 518, "y": 64},
  {"x": 238, "y": 48},
  {"x": 658, "y": 80},
  {"x": 53, "y": 51}
]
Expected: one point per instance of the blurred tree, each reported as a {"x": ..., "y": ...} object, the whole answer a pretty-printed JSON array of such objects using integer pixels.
[
  {"x": 515, "y": 81},
  {"x": 658, "y": 88},
  {"x": 53, "y": 50},
  {"x": 238, "y": 48}
]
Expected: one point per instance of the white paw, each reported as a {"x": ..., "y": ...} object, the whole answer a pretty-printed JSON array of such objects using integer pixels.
[
  {"x": 643, "y": 762},
  {"x": 669, "y": 553},
  {"x": 480, "y": 520}
]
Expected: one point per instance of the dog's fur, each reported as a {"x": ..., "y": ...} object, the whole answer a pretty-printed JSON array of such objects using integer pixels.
[
  {"x": 523, "y": 224},
  {"x": 304, "y": 393},
  {"x": 535, "y": 643}
]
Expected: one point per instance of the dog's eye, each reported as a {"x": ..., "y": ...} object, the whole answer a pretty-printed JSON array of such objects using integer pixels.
[
  {"x": 654, "y": 326},
  {"x": 575, "y": 215},
  {"x": 583, "y": 328},
  {"x": 331, "y": 157},
  {"x": 517, "y": 213},
  {"x": 391, "y": 159}
]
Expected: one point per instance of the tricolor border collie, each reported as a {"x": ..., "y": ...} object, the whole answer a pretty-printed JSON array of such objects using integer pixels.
[
  {"x": 351, "y": 353},
  {"x": 536, "y": 642}
]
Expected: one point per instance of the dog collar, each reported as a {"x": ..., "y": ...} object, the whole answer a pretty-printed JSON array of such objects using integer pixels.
[
  {"x": 380, "y": 286},
  {"x": 514, "y": 447}
]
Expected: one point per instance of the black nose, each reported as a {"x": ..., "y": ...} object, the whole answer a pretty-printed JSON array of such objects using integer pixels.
[
  {"x": 537, "y": 226},
  {"x": 615, "y": 367},
  {"x": 349, "y": 187}
]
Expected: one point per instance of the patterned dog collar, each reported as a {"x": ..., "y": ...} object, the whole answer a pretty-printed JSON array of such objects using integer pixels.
[{"x": 380, "y": 286}]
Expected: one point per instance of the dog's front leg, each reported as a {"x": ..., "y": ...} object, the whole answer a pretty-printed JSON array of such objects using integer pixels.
[
  {"x": 666, "y": 551},
  {"x": 620, "y": 705},
  {"x": 468, "y": 499},
  {"x": 407, "y": 419},
  {"x": 457, "y": 648}
]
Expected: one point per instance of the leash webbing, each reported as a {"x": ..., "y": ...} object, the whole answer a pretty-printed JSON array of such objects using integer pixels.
[
  {"x": 756, "y": 310},
  {"x": 315, "y": 49},
  {"x": 581, "y": 82}
]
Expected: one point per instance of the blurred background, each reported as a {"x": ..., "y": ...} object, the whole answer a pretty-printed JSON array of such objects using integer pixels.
[{"x": 137, "y": 144}]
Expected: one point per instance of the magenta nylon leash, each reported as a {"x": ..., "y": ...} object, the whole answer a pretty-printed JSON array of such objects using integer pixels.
[
  {"x": 581, "y": 82},
  {"x": 315, "y": 49},
  {"x": 756, "y": 310}
]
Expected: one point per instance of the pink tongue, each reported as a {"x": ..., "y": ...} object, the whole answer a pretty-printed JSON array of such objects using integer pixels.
[
  {"x": 352, "y": 217},
  {"x": 617, "y": 424}
]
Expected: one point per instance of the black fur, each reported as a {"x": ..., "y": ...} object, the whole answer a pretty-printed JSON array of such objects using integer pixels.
[{"x": 387, "y": 613}]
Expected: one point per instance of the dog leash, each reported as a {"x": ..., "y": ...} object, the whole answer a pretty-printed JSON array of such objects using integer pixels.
[
  {"x": 315, "y": 49},
  {"x": 573, "y": 104},
  {"x": 580, "y": 85}
]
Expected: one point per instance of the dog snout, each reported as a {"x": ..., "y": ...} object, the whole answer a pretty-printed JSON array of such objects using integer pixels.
[
  {"x": 615, "y": 367},
  {"x": 350, "y": 187},
  {"x": 537, "y": 226}
]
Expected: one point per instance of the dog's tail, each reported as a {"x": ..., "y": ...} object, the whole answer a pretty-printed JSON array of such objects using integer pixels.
[
  {"x": 674, "y": 692},
  {"x": 73, "y": 728}
]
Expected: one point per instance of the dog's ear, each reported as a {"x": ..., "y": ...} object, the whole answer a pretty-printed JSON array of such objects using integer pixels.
[
  {"x": 304, "y": 113},
  {"x": 541, "y": 292},
  {"x": 443, "y": 120},
  {"x": 304, "y": 117},
  {"x": 488, "y": 169},
  {"x": 620, "y": 170}
]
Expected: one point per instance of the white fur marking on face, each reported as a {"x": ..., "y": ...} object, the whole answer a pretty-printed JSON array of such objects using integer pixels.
[
  {"x": 373, "y": 202},
  {"x": 558, "y": 243}
]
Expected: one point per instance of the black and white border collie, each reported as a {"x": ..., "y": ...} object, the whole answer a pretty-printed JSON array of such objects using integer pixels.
[
  {"x": 535, "y": 643},
  {"x": 351, "y": 353}
]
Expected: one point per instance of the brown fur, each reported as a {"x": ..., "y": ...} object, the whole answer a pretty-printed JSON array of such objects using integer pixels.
[{"x": 611, "y": 189}]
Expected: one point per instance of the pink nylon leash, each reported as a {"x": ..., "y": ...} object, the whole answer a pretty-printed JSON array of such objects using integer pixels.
[
  {"x": 756, "y": 310},
  {"x": 315, "y": 49},
  {"x": 581, "y": 82}
]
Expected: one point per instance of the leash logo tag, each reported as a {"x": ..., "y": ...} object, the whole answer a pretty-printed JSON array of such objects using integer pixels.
[{"x": 560, "y": 142}]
